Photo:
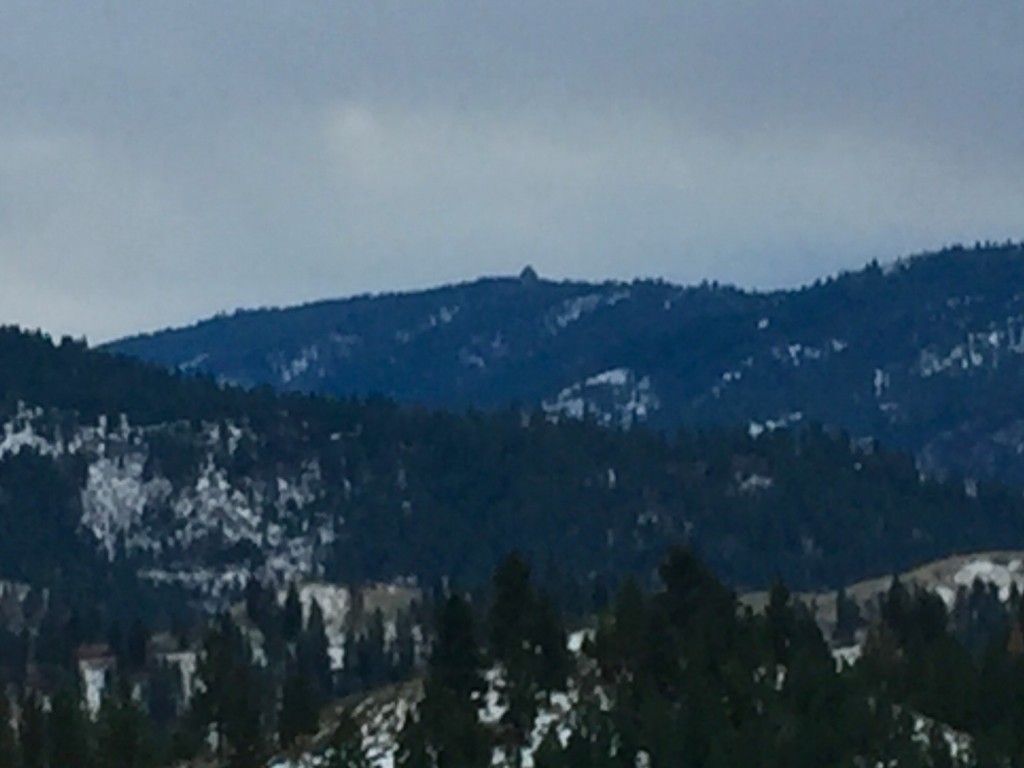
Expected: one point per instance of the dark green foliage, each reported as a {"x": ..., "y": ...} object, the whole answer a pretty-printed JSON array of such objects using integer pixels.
[
  {"x": 886, "y": 353},
  {"x": 69, "y": 731},
  {"x": 848, "y": 618},
  {"x": 440, "y": 495},
  {"x": 695, "y": 683},
  {"x": 124, "y": 737},
  {"x": 32, "y": 732},
  {"x": 313, "y": 657},
  {"x": 9, "y": 756},
  {"x": 527, "y": 638},
  {"x": 230, "y": 701},
  {"x": 299, "y": 713},
  {"x": 448, "y": 729},
  {"x": 292, "y": 615}
]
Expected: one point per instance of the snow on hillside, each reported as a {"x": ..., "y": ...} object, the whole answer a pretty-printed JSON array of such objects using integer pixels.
[
  {"x": 127, "y": 502},
  {"x": 383, "y": 714},
  {"x": 571, "y": 310},
  {"x": 615, "y": 397},
  {"x": 1004, "y": 576}
]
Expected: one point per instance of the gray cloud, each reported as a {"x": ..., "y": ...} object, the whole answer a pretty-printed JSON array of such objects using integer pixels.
[{"x": 163, "y": 161}]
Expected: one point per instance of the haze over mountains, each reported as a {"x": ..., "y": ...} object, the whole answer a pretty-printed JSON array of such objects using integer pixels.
[{"x": 926, "y": 353}]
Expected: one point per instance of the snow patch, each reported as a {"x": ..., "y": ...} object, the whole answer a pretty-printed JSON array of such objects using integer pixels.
[
  {"x": 616, "y": 397},
  {"x": 571, "y": 310}
]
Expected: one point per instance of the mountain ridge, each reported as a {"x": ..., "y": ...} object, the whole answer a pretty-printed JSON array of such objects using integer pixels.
[{"x": 926, "y": 353}]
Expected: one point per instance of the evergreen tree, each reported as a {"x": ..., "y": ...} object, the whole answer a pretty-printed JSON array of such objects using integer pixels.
[
  {"x": 230, "y": 698},
  {"x": 781, "y": 621},
  {"x": 123, "y": 735},
  {"x": 292, "y": 620},
  {"x": 513, "y": 644},
  {"x": 413, "y": 748},
  {"x": 136, "y": 643},
  {"x": 405, "y": 648},
  {"x": 69, "y": 731},
  {"x": 9, "y": 757},
  {"x": 452, "y": 731},
  {"x": 848, "y": 618},
  {"x": 32, "y": 733},
  {"x": 299, "y": 713},
  {"x": 314, "y": 657}
]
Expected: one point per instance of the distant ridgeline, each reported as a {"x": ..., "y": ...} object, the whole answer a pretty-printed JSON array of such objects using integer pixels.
[
  {"x": 111, "y": 467},
  {"x": 925, "y": 354}
]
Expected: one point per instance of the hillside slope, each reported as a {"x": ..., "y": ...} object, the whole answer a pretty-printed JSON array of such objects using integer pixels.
[
  {"x": 199, "y": 486},
  {"x": 926, "y": 354}
]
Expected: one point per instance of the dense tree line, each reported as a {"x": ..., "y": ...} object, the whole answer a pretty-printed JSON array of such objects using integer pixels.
[
  {"x": 680, "y": 675},
  {"x": 684, "y": 677},
  {"x": 408, "y": 491},
  {"x": 235, "y": 687}
]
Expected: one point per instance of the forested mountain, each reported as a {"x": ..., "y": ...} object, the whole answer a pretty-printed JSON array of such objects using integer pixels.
[
  {"x": 196, "y": 485},
  {"x": 926, "y": 354},
  {"x": 130, "y": 496}
]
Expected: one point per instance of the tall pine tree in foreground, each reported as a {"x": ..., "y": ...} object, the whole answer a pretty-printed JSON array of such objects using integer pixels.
[{"x": 446, "y": 732}]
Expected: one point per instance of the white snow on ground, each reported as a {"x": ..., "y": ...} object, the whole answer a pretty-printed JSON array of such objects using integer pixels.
[
  {"x": 569, "y": 311},
  {"x": 978, "y": 349},
  {"x": 383, "y": 715},
  {"x": 756, "y": 429},
  {"x": 335, "y": 602},
  {"x": 1003, "y": 577},
  {"x": 616, "y": 377},
  {"x": 615, "y": 397},
  {"x": 194, "y": 363},
  {"x": 753, "y": 484},
  {"x": 959, "y": 744},
  {"x": 442, "y": 317},
  {"x": 94, "y": 683},
  {"x": 847, "y": 656},
  {"x": 122, "y": 502},
  {"x": 115, "y": 498},
  {"x": 577, "y": 639},
  {"x": 290, "y": 370}
]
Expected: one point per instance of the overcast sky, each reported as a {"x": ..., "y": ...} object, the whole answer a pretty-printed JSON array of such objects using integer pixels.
[{"x": 162, "y": 161}]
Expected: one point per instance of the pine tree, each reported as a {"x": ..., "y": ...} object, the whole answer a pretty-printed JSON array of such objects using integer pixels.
[
  {"x": 123, "y": 735},
  {"x": 245, "y": 724},
  {"x": 136, "y": 644},
  {"x": 405, "y": 648},
  {"x": 513, "y": 644},
  {"x": 69, "y": 731},
  {"x": 298, "y": 713},
  {"x": 448, "y": 713},
  {"x": 314, "y": 657},
  {"x": 32, "y": 733},
  {"x": 413, "y": 750},
  {"x": 848, "y": 618},
  {"x": 9, "y": 757},
  {"x": 781, "y": 622},
  {"x": 511, "y": 610},
  {"x": 550, "y": 641},
  {"x": 231, "y": 698},
  {"x": 292, "y": 619}
]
